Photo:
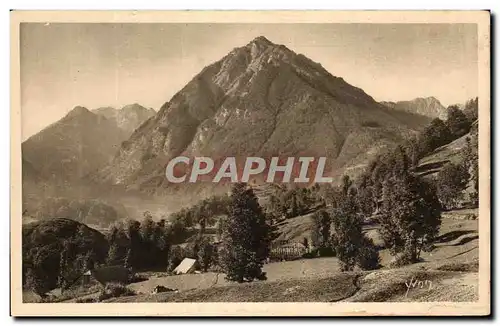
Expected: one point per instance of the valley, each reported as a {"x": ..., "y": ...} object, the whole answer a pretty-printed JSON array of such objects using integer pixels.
[{"x": 343, "y": 198}]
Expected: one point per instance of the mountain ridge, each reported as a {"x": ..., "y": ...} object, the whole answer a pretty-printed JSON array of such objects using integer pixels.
[
  {"x": 260, "y": 99},
  {"x": 72, "y": 147},
  {"x": 129, "y": 117},
  {"x": 427, "y": 106}
]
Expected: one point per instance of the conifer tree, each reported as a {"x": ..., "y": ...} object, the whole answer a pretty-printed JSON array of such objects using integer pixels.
[{"x": 246, "y": 241}]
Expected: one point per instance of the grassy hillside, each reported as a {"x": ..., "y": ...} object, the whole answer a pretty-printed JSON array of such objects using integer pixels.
[
  {"x": 432, "y": 163},
  {"x": 350, "y": 287},
  {"x": 451, "y": 269}
]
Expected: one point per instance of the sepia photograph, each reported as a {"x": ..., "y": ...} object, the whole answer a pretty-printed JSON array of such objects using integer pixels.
[{"x": 234, "y": 163}]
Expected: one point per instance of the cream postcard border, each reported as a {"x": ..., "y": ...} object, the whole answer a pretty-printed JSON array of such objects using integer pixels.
[{"x": 481, "y": 307}]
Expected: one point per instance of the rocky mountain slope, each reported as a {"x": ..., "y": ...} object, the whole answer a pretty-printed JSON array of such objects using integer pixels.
[
  {"x": 261, "y": 99},
  {"x": 428, "y": 106},
  {"x": 71, "y": 148},
  {"x": 127, "y": 118}
]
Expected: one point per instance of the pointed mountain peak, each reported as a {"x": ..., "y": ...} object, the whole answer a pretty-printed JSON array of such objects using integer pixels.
[
  {"x": 261, "y": 40},
  {"x": 78, "y": 111},
  {"x": 429, "y": 99},
  {"x": 260, "y": 44}
]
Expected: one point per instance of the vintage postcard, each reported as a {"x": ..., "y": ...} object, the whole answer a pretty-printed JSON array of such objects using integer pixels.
[{"x": 294, "y": 163}]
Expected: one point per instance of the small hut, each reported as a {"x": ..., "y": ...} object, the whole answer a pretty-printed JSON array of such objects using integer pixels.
[{"x": 187, "y": 266}]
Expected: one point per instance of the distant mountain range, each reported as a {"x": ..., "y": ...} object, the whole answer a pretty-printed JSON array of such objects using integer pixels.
[
  {"x": 79, "y": 143},
  {"x": 127, "y": 118},
  {"x": 428, "y": 106}
]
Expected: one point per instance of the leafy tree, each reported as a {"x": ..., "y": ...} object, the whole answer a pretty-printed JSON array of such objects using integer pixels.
[
  {"x": 206, "y": 254},
  {"x": 175, "y": 257},
  {"x": 87, "y": 261},
  {"x": 457, "y": 122},
  {"x": 146, "y": 243},
  {"x": 134, "y": 259},
  {"x": 113, "y": 255},
  {"x": 177, "y": 231},
  {"x": 368, "y": 256},
  {"x": 72, "y": 263},
  {"x": 327, "y": 194},
  {"x": 294, "y": 209},
  {"x": 470, "y": 160},
  {"x": 471, "y": 110},
  {"x": 451, "y": 182},
  {"x": 348, "y": 241},
  {"x": 162, "y": 243},
  {"x": 412, "y": 149},
  {"x": 366, "y": 200},
  {"x": 305, "y": 200},
  {"x": 321, "y": 231},
  {"x": 128, "y": 259},
  {"x": 63, "y": 265},
  {"x": 246, "y": 239},
  {"x": 410, "y": 215},
  {"x": 436, "y": 134},
  {"x": 275, "y": 208},
  {"x": 399, "y": 162},
  {"x": 346, "y": 184}
]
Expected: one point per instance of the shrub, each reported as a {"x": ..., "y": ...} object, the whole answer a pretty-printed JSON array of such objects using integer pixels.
[
  {"x": 401, "y": 260},
  {"x": 326, "y": 252},
  {"x": 115, "y": 290},
  {"x": 86, "y": 300}
]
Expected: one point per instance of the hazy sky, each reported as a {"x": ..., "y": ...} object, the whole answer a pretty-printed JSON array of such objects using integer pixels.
[{"x": 94, "y": 65}]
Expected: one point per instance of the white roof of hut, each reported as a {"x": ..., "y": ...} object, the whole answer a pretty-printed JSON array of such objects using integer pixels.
[{"x": 186, "y": 266}]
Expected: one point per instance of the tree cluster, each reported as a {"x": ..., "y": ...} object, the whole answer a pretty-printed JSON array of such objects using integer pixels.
[
  {"x": 337, "y": 230},
  {"x": 406, "y": 206},
  {"x": 287, "y": 202},
  {"x": 144, "y": 244},
  {"x": 204, "y": 213},
  {"x": 438, "y": 132}
]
